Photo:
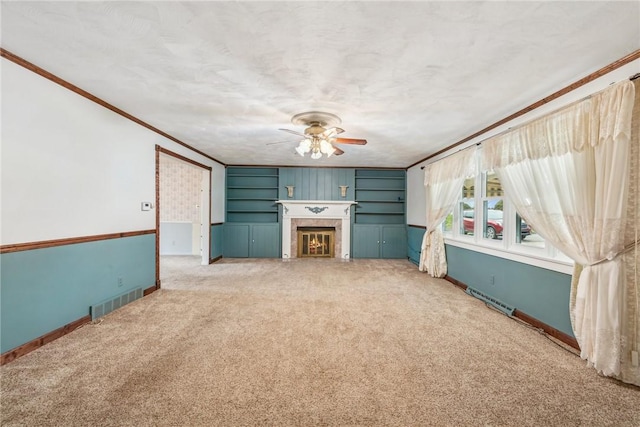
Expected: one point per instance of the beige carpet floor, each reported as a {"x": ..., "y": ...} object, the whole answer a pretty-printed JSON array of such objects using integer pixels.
[{"x": 308, "y": 342}]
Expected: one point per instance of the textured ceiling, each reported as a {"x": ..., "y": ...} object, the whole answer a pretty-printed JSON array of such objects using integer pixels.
[{"x": 410, "y": 77}]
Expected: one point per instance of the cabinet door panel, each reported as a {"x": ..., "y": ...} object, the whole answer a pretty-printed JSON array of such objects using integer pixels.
[
  {"x": 394, "y": 242},
  {"x": 265, "y": 241},
  {"x": 366, "y": 241},
  {"x": 236, "y": 241}
]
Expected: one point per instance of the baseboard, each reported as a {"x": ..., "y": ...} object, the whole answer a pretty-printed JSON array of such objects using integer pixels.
[
  {"x": 151, "y": 289},
  {"x": 549, "y": 330},
  {"x": 55, "y": 334},
  {"x": 456, "y": 282},
  {"x": 42, "y": 340},
  {"x": 212, "y": 260}
]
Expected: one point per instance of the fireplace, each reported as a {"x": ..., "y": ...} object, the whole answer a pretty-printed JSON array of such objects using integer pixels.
[
  {"x": 317, "y": 242},
  {"x": 331, "y": 214}
]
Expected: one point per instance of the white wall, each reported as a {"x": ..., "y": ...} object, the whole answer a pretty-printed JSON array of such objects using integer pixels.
[
  {"x": 72, "y": 168},
  {"x": 416, "y": 205},
  {"x": 416, "y": 197},
  {"x": 218, "y": 196}
]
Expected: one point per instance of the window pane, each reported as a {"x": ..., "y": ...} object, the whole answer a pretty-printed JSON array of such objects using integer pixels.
[
  {"x": 468, "y": 188},
  {"x": 493, "y": 218},
  {"x": 493, "y": 187},
  {"x": 447, "y": 224},
  {"x": 492, "y": 207},
  {"x": 527, "y": 235},
  {"x": 466, "y": 207}
]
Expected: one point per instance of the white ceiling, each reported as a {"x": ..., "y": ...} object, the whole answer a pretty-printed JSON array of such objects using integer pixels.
[{"x": 410, "y": 77}]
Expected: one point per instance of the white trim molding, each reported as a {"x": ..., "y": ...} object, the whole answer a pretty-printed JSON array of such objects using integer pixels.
[{"x": 316, "y": 209}]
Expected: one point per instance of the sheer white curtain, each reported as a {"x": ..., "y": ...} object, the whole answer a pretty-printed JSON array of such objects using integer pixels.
[
  {"x": 630, "y": 336},
  {"x": 568, "y": 177},
  {"x": 443, "y": 182}
]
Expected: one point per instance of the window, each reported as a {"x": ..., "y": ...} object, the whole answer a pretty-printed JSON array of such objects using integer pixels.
[
  {"x": 466, "y": 207},
  {"x": 492, "y": 207},
  {"x": 527, "y": 236},
  {"x": 447, "y": 224},
  {"x": 495, "y": 227}
]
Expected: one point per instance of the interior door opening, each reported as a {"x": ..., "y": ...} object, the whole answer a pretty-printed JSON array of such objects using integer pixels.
[{"x": 184, "y": 206}]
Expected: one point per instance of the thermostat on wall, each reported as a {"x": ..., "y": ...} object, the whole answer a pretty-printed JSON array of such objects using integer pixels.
[{"x": 146, "y": 206}]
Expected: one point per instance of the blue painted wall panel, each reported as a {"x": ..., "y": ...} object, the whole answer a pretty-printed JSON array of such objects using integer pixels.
[
  {"x": 538, "y": 292},
  {"x": 44, "y": 289},
  {"x": 317, "y": 183},
  {"x": 217, "y": 232},
  {"x": 414, "y": 243}
]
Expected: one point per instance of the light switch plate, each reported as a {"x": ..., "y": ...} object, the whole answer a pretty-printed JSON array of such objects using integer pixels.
[{"x": 146, "y": 206}]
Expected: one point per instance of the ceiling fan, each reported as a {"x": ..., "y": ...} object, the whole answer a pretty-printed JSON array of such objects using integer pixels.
[{"x": 321, "y": 134}]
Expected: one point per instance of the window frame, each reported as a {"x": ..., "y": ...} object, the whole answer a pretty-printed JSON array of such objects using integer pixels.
[{"x": 548, "y": 257}]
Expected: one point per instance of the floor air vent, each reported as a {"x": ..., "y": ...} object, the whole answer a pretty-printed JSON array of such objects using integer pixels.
[
  {"x": 492, "y": 301},
  {"x": 106, "y": 307}
]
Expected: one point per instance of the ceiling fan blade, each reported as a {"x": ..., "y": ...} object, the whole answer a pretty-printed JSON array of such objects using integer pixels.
[
  {"x": 294, "y": 132},
  {"x": 332, "y": 131},
  {"x": 338, "y": 152},
  {"x": 353, "y": 141},
  {"x": 280, "y": 142}
]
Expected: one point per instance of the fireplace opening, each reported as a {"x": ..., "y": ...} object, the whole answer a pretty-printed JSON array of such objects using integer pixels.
[{"x": 318, "y": 242}]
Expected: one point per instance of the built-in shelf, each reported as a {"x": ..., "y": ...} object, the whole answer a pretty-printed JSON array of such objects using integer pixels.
[
  {"x": 251, "y": 195},
  {"x": 378, "y": 189},
  {"x": 251, "y": 211},
  {"x": 379, "y": 213},
  {"x": 380, "y": 195},
  {"x": 244, "y": 198}
]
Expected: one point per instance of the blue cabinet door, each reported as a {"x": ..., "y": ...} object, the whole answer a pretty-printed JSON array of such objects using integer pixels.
[
  {"x": 394, "y": 241},
  {"x": 265, "y": 241},
  {"x": 236, "y": 241},
  {"x": 366, "y": 241}
]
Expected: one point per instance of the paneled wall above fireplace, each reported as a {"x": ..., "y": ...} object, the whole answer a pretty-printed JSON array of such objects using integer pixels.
[{"x": 317, "y": 183}]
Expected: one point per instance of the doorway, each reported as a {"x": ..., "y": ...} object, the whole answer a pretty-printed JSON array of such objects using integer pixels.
[{"x": 183, "y": 209}]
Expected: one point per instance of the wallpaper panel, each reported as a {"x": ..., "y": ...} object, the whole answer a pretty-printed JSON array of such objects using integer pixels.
[{"x": 179, "y": 191}]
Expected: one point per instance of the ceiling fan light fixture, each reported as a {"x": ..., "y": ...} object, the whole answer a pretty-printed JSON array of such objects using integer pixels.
[
  {"x": 332, "y": 131},
  {"x": 304, "y": 147},
  {"x": 320, "y": 134},
  {"x": 325, "y": 147}
]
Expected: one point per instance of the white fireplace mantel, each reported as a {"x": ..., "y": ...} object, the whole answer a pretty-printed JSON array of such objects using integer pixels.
[{"x": 316, "y": 209}]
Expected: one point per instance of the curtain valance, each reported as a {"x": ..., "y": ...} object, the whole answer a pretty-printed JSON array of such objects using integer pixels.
[
  {"x": 604, "y": 116},
  {"x": 457, "y": 165}
]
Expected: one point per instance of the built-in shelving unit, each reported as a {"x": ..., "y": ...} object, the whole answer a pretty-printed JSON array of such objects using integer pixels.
[
  {"x": 379, "y": 229},
  {"x": 381, "y": 196},
  {"x": 251, "y": 195},
  {"x": 252, "y": 228}
]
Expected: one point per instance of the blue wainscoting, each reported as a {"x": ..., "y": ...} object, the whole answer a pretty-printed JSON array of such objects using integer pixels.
[
  {"x": 217, "y": 231},
  {"x": 45, "y": 289},
  {"x": 538, "y": 292},
  {"x": 414, "y": 243}
]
